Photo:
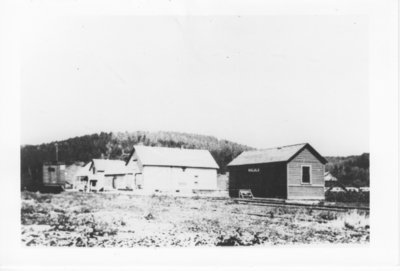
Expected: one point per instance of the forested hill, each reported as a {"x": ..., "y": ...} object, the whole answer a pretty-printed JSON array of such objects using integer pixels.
[
  {"x": 350, "y": 170},
  {"x": 119, "y": 145}
]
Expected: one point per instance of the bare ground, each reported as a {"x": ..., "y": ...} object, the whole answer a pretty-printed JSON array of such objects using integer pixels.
[{"x": 121, "y": 220}]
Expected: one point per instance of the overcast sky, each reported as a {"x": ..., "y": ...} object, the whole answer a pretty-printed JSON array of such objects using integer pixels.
[{"x": 263, "y": 81}]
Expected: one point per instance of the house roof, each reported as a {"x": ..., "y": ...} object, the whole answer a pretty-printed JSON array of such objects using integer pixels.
[
  {"x": 110, "y": 167},
  {"x": 161, "y": 156},
  {"x": 329, "y": 177},
  {"x": 273, "y": 155}
]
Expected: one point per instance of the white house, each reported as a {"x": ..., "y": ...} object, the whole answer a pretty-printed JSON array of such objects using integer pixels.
[
  {"x": 172, "y": 170},
  {"x": 103, "y": 175},
  {"x": 110, "y": 175},
  {"x": 82, "y": 177}
]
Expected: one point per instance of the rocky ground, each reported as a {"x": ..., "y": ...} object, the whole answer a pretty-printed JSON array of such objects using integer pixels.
[{"x": 121, "y": 220}]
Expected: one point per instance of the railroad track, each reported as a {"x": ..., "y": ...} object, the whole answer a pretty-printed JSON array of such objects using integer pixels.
[{"x": 282, "y": 203}]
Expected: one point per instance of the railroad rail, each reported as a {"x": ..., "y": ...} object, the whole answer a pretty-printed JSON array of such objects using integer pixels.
[{"x": 283, "y": 203}]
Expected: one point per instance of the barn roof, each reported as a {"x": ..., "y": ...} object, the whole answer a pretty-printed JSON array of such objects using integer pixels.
[
  {"x": 161, "y": 156},
  {"x": 272, "y": 155},
  {"x": 111, "y": 167}
]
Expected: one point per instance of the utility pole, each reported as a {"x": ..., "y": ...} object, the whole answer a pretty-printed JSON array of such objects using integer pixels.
[{"x": 56, "y": 144}]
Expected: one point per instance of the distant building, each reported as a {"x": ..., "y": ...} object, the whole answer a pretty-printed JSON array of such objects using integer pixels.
[
  {"x": 328, "y": 177},
  {"x": 336, "y": 189},
  {"x": 351, "y": 189},
  {"x": 289, "y": 172},
  {"x": 332, "y": 184},
  {"x": 223, "y": 181},
  {"x": 172, "y": 170}
]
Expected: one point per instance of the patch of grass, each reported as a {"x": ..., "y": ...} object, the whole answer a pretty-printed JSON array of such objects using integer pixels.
[{"x": 351, "y": 220}]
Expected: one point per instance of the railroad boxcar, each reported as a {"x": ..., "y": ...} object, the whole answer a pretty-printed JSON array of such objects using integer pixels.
[{"x": 54, "y": 175}]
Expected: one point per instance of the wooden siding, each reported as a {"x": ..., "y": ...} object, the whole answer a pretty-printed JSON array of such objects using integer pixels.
[
  {"x": 306, "y": 192},
  {"x": 178, "y": 179},
  {"x": 299, "y": 190},
  {"x": 264, "y": 180}
]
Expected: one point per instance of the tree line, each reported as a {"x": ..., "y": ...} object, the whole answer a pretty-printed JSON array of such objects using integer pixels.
[
  {"x": 351, "y": 170},
  {"x": 118, "y": 146}
]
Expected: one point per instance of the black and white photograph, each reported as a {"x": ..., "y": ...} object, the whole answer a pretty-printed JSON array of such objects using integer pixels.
[
  {"x": 199, "y": 128},
  {"x": 251, "y": 131}
]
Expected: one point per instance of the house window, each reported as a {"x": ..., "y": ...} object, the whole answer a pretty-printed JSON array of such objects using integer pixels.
[{"x": 306, "y": 174}]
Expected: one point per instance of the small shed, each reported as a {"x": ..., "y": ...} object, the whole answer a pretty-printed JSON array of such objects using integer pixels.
[
  {"x": 176, "y": 170},
  {"x": 288, "y": 172}
]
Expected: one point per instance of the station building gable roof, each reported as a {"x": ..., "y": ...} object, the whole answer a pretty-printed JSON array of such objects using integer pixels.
[{"x": 273, "y": 155}]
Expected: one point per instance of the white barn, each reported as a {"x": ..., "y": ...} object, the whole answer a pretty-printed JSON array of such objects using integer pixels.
[{"x": 173, "y": 170}]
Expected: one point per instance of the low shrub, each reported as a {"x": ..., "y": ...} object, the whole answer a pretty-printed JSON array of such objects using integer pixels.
[
  {"x": 347, "y": 225},
  {"x": 328, "y": 215},
  {"x": 351, "y": 220},
  {"x": 350, "y": 196},
  {"x": 85, "y": 224},
  {"x": 237, "y": 238},
  {"x": 27, "y": 208}
]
